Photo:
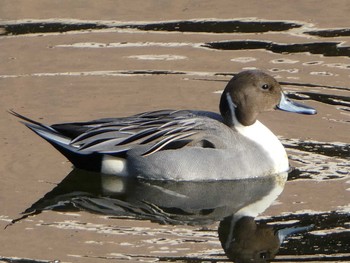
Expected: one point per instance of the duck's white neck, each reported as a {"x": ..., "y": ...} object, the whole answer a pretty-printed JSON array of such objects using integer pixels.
[{"x": 261, "y": 135}]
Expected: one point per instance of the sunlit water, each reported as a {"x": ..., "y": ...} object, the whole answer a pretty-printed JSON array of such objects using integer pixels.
[{"x": 236, "y": 205}]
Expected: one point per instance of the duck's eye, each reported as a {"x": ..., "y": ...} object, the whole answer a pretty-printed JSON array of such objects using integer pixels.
[
  {"x": 265, "y": 87},
  {"x": 263, "y": 255}
]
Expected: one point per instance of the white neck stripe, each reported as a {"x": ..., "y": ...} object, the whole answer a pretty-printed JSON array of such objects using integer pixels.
[{"x": 232, "y": 106}]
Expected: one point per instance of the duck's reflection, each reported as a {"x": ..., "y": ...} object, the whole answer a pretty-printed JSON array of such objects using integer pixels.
[
  {"x": 235, "y": 203},
  {"x": 244, "y": 240}
]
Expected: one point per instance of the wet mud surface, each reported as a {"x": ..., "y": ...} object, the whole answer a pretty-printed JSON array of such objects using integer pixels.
[{"x": 80, "y": 68}]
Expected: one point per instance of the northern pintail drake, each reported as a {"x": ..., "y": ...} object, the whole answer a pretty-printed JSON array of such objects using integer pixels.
[{"x": 183, "y": 145}]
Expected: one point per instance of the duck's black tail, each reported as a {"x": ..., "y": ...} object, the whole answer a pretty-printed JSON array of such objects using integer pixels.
[{"x": 88, "y": 161}]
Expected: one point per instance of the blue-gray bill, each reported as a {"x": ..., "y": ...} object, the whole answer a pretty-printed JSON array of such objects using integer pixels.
[
  {"x": 283, "y": 233},
  {"x": 292, "y": 106}
]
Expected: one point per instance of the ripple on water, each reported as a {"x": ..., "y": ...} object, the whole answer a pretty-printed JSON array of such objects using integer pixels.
[
  {"x": 328, "y": 238},
  {"x": 243, "y": 59},
  {"x": 318, "y": 160},
  {"x": 284, "y": 61}
]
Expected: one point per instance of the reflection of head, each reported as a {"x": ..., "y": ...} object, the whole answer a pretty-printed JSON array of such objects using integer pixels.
[{"x": 250, "y": 242}]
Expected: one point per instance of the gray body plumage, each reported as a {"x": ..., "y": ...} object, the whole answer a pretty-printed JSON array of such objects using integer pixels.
[{"x": 213, "y": 151}]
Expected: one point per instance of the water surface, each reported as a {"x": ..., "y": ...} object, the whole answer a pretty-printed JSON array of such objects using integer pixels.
[{"x": 118, "y": 68}]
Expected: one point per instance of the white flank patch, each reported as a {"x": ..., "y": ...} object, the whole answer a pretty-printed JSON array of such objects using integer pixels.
[{"x": 113, "y": 165}]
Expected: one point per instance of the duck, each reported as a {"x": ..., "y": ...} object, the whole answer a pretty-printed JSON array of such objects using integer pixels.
[{"x": 183, "y": 145}]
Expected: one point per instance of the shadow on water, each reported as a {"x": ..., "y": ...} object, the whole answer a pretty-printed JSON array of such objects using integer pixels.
[
  {"x": 329, "y": 236},
  {"x": 327, "y": 149},
  {"x": 232, "y": 26},
  {"x": 332, "y": 159},
  {"x": 24, "y": 260},
  {"x": 207, "y": 26},
  {"x": 324, "y": 48},
  {"x": 329, "y": 99},
  {"x": 343, "y": 32},
  {"x": 219, "y": 26},
  {"x": 48, "y": 27},
  {"x": 235, "y": 204}
]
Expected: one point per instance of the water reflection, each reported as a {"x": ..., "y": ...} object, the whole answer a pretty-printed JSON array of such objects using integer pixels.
[
  {"x": 245, "y": 240},
  {"x": 190, "y": 203},
  {"x": 211, "y": 26},
  {"x": 324, "y": 48},
  {"x": 234, "y": 203}
]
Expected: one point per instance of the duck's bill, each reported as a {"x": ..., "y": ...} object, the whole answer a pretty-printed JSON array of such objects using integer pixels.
[
  {"x": 283, "y": 233},
  {"x": 292, "y": 106}
]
